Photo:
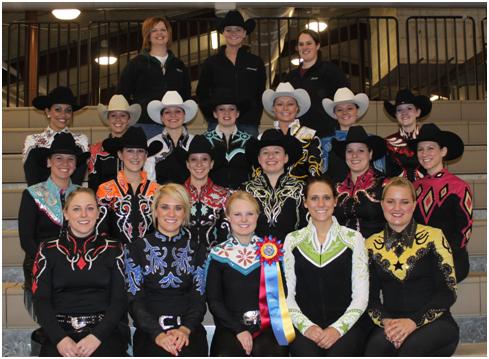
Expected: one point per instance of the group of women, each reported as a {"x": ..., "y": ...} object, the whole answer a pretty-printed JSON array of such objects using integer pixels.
[{"x": 288, "y": 260}]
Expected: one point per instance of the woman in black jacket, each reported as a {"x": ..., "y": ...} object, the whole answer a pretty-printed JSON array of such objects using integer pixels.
[
  {"x": 319, "y": 78},
  {"x": 155, "y": 71}
]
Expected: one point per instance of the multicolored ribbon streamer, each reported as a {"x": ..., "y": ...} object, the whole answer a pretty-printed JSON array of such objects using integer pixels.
[{"x": 272, "y": 303}]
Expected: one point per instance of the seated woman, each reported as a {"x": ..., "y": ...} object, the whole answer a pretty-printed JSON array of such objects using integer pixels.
[
  {"x": 128, "y": 198},
  {"x": 411, "y": 266},
  {"x": 237, "y": 288},
  {"x": 173, "y": 113},
  {"x": 285, "y": 105},
  {"x": 359, "y": 193},
  {"x": 346, "y": 108},
  {"x": 59, "y": 105},
  {"x": 119, "y": 116},
  {"x": 401, "y": 160},
  {"x": 277, "y": 192},
  {"x": 444, "y": 200},
  {"x": 208, "y": 200},
  {"x": 41, "y": 206},
  {"x": 165, "y": 275},
  {"x": 226, "y": 137},
  {"x": 327, "y": 279},
  {"x": 78, "y": 287}
]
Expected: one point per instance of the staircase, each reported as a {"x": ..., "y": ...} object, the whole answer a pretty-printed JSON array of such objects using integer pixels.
[{"x": 466, "y": 118}]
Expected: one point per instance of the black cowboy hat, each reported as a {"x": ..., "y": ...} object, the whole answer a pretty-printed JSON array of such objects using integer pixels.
[
  {"x": 405, "y": 96},
  {"x": 234, "y": 18},
  {"x": 450, "y": 140},
  {"x": 357, "y": 134},
  {"x": 64, "y": 143},
  {"x": 200, "y": 144},
  {"x": 225, "y": 96},
  {"x": 134, "y": 137},
  {"x": 274, "y": 137},
  {"x": 59, "y": 94}
]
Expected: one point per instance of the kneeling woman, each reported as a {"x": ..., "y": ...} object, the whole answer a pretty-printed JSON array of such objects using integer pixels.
[
  {"x": 238, "y": 286},
  {"x": 78, "y": 288},
  {"x": 165, "y": 277},
  {"x": 413, "y": 267},
  {"x": 327, "y": 279}
]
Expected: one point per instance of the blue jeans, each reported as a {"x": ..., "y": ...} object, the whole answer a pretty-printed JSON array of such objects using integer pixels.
[{"x": 150, "y": 129}]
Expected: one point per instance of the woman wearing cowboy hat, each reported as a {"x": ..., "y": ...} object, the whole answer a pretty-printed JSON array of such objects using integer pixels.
[
  {"x": 119, "y": 116},
  {"x": 153, "y": 72},
  {"x": 278, "y": 194},
  {"x": 128, "y": 197},
  {"x": 285, "y": 105},
  {"x": 444, "y": 200},
  {"x": 59, "y": 105},
  {"x": 41, "y": 206},
  {"x": 319, "y": 78},
  {"x": 173, "y": 113},
  {"x": 359, "y": 193},
  {"x": 227, "y": 138},
  {"x": 208, "y": 200},
  {"x": 407, "y": 109},
  {"x": 347, "y": 109},
  {"x": 237, "y": 70}
]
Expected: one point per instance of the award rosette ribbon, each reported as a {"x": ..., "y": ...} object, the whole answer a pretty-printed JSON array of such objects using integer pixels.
[{"x": 272, "y": 304}]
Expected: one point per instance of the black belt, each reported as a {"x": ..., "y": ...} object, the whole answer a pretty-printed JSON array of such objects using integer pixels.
[
  {"x": 79, "y": 323},
  {"x": 169, "y": 321}
]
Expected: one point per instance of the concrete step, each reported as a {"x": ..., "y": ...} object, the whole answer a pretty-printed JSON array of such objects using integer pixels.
[{"x": 471, "y": 350}]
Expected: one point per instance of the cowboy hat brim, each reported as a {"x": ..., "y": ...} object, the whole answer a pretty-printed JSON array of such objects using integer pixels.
[
  {"x": 155, "y": 107},
  {"x": 421, "y": 102},
  {"x": 361, "y": 100},
  {"x": 45, "y": 102},
  {"x": 249, "y": 25},
  {"x": 300, "y": 95},
  {"x": 454, "y": 144},
  {"x": 291, "y": 145},
  {"x": 375, "y": 143},
  {"x": 134, "y": 112}
]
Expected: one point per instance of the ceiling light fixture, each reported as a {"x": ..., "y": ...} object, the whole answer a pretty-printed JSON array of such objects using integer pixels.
[
  {"x": 214, "y": 40},
  {"x": 317, "y": 26},
  {"x": 105, "y": 55},
  {"x": 66, "y": 14}
]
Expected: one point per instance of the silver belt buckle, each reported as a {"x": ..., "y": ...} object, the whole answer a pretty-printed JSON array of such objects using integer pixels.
[
  {"x": 77, "y": 324},
  {"x": 251, "y": 317},
  {"x": 162, "y": 319}
]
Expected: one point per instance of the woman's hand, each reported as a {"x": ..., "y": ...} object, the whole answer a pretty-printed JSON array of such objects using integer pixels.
[
  {"x": 181, "y": 337},
  {"x": 330, "y": 336},
  {"x": 315, "y": 333},
  {"x": 88, "y": 345},
  {"x": 397, "y": 330},
  {"x": 67, "y": 347},
  {"x": 246, "y": 340},
  {"x": 167, "y": 342}
]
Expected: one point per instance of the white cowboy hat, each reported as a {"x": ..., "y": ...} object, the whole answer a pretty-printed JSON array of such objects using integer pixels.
[
  {"x": 172, "y": 98},
  {"x": 119, "y": 103},
  {"x": 345, "y": 95},
  {"x": 286, "y": 89}
]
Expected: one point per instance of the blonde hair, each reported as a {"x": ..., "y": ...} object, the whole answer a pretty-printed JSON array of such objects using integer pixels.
[
  {"x": 400, "y": 182},
  {"x": 148, "y": 25},
  {"x": 242, "y": 195},
  {"x": 176, "y": 191},
  {"x": 79, "y": 190}
]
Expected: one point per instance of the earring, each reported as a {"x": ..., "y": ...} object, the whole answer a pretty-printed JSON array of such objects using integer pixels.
[{"x": 49, "y": 117}]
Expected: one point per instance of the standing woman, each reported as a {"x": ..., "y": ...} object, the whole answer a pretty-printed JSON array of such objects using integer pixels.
[
  {"x": 401, "y": 160},
  {"x": 326, "y": 268},
  {"x": 237, "y": 288},
  {"x": 165, "y": 274},
  {"x": 174, "y": 113},
  {"x": 227, "y": 138},
  {"x": 153, "y": 72},
  {"x": 359, "y": 194},
  {"x": 285, "y": 104},
  {"x": 208, "y": 200},
  {"x": 278, "y": 194},
  {"x": 59, "y": 105},
  {"x": 347, "y": 109},
  {"x": 319, "y": 78},
  {"x": 444, "y": 200},
  {"x": 103, "y": 166},
  {"x": 411, "y": 268},
  {"x": 129, "y": 196},
  {"x": 78, "y": 287}
]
